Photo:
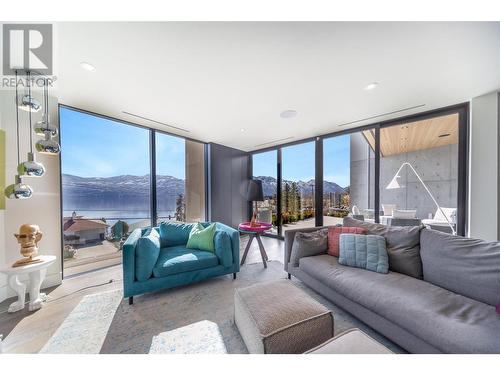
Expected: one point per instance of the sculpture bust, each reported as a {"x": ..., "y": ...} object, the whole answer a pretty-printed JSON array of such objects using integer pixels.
[{"x": 28, "y": 237}]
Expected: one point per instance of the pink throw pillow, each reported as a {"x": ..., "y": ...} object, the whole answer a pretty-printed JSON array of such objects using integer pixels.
[{"x": 334, "y": 237}]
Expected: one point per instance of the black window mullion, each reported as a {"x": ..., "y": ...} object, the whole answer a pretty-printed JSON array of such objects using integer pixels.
[
  {"x": 318, "y": 181},
  {"x": 377, "y": 175},
  {"x": 152, "y": 178},
  {"x": 278, "y": 193}
]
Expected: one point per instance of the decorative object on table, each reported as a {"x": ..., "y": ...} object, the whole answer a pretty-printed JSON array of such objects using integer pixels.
[
  {"x": 254, "y": 194},
  {"x": 30, "y": 167},
  {"x": 308, "y": 244},
  {"x": 36, "y": 273},
  {"x": 394, "y": 184},
  {"x": 202, "y": 337},
  {"x": 254, "y": 231},
  {"x": 279, "y": 318},
  {"x": 28, "y": 237}
]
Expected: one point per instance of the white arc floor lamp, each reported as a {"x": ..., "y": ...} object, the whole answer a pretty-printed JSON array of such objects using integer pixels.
[{"x": 394, "y": 184}]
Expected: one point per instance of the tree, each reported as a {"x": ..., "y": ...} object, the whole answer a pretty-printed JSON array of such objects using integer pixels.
[
  {"x": 286, "y": 197},
  {"x": 180, "y": 208}
]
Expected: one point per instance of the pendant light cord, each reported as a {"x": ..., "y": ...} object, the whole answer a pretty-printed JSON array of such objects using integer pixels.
[
  {"x": 30, "y": 108},
  {"x": 17, "y": 122},
  {"x": 46, "y": 94}
]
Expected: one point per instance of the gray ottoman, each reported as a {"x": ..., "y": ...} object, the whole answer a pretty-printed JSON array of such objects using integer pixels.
[
  {"x": 352, "y": 341},
  {"x": 278, "y": 318}
]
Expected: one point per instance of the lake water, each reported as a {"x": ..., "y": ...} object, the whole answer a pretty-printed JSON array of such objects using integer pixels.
[{"x": 112, "y": 217}]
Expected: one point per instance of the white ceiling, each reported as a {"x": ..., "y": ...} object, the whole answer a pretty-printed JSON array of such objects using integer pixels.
[{"x": 215, "y": 79}]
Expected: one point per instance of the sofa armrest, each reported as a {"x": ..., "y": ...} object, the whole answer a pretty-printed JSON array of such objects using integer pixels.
[
  {"x": 128, "y": 261},
  {"x": 235, "y": 243},
  {"x": 290, "y": 236}
]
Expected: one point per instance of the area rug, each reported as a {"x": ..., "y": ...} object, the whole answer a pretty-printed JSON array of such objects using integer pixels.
[
  {"x": 86, "y": 327},
  {"x": 134, "y": 327}
]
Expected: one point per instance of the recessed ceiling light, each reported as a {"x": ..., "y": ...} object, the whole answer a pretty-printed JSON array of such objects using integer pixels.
[
  {"x": 289, "y": 113},
  {"x": 87, "y": 66},
  {"x": 242, "y": 130},
  {"x": 371, "y": 86}
]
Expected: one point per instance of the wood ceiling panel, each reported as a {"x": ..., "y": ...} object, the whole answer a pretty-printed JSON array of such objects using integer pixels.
[{"x": 419, "y": 135}]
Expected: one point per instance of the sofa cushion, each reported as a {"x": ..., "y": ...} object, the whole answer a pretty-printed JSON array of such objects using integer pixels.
[
  {"x": 202, "y": 238},
  {"x": 464, "y": 265},
  {"x": 173, "y": 233},
  {"x": 147, "y": 251},
  {"x": 334, "y": 234},
  {"x": 362, "y": 251},
  {"x": 403, "y": 245},
  {"x": 308, "y": 244},
  {"x": 223, "y": 250},
  {"x": 178, "y": 259},
  {"x": 448, "y": 321}
]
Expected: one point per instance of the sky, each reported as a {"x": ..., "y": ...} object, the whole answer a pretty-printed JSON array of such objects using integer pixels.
[
  {"x": 298, "y": 161},
  {"x": 92, "y": 146}
]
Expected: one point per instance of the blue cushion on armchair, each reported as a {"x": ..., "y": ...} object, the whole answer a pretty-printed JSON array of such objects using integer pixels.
[
  {"x": 223, "y": 249},
  {"x": 179, "y": 259},
  {"x": 146, "y": 254},
  {"x": 174, "y": 233}
]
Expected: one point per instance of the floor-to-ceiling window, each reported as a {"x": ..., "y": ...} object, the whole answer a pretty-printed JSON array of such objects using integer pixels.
[
  {"x": 107, "y": 178},
  {"x": 419, "y": 172},
  {"x": 105, "y": 188},
  {"x": 298, "y": 186},
  {"x": 348, "y": 176},
  {"x": 264, "y": 169}
]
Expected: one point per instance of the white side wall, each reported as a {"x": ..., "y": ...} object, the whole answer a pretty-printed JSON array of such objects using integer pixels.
[
  {"x": 43, "y": 208},
  {"x": 3, "y": 279},
  {"x": 484, "y": 174}
]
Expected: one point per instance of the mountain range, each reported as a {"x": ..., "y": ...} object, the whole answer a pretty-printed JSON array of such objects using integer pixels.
[{"x": 129, "y": 192}]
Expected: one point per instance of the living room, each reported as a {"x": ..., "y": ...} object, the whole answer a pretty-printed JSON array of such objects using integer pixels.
[{"x": 250, "y": 187}]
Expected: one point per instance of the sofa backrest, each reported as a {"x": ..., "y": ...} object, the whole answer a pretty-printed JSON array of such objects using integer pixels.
[{"x": 466, "y": 266}]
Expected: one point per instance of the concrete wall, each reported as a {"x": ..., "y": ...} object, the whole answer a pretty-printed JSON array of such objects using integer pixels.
[
  {"x": 43, "y": 208},
  {"x": 3, "y": 279},
  {"x": 484, "y": 163},
  {"x": 229, "y": 171},
  {"x": 362, "y": 191}
]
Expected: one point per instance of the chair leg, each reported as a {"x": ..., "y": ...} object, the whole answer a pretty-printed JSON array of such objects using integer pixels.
[
  {"x": 234, "y": 275},
  {"x": 289, "y": 276},
  {"x": 130, "y": 300}
]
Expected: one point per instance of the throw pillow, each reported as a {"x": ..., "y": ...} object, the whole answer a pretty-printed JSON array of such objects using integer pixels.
[
  {"x": 147, "y": 251},
  {"x": 403, "y": 245},
  {"x": 334, "y": 234},
  {"x": 174, "y": 233},
  {"x": 223, "y": 250},
  {"x": 202, "y": 238},
  {"x": 308, "y": 244},
  {"x": 364, "y": 251}
]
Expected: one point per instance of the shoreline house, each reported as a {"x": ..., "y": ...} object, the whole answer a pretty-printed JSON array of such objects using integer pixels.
[{"x": 80, "y": 231}]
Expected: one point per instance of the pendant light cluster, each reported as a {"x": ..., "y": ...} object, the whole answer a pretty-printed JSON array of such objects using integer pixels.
[{"x": 30, "y": 167}]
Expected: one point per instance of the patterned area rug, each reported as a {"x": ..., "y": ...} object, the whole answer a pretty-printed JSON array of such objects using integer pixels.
[{"x": 133, "y": 328}]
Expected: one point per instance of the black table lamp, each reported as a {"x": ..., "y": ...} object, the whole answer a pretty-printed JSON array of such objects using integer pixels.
[{"x": 255, "y": 194}]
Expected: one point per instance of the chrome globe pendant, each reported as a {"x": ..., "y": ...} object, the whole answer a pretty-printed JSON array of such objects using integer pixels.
[
  {"x": 48, "y": 146},
  {"x": 18, "y": 190},
  {"x": 29, "y": 104},
  {"x": 31, "y": 167},
  {"x": 42, "y": 126}
]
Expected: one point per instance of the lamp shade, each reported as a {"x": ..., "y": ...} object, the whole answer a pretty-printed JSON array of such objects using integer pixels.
[
  {"x": 394, "y": 184},
  {"x": 254, "y": 191}
]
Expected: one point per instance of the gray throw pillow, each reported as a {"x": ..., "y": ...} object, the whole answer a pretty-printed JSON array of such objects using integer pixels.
[
  {"x": 403, "y": 245},
  {"x": 308, "y": 244}
]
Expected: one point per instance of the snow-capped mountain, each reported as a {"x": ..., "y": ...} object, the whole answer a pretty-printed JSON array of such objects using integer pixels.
[{"x": 269, "y": 185}]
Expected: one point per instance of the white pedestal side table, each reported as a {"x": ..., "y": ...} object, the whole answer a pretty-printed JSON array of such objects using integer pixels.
[{"x": 36, "y": 273}]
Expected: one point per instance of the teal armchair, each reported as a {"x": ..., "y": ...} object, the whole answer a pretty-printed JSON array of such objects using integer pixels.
[{"x": 157, "y": 258}]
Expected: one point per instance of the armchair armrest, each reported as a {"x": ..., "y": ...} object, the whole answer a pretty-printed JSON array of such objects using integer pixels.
[
  {"x": 128, "y": 261},
  {"x": 235, "y": 243}
]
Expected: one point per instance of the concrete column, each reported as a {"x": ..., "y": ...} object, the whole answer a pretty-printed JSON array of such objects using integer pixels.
[
  {"x": 195, "y": 181},
  {"x": 484, "y": 163}
]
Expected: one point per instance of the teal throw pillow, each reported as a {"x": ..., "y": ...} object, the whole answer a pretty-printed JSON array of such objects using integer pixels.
[
  {"x": 364, "y": 251},
  {"x": 202, "y": 238}
]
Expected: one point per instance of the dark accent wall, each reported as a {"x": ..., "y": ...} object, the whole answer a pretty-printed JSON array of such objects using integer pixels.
[{"x": 229, "y": 172}]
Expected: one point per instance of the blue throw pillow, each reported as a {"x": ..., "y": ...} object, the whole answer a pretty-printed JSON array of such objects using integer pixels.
[
  {"x": 147, "y": 251},
  {"x": 174, "y": 234},
  {"x": 364, "y": 251},
  {"x": 223, "y": 249}
]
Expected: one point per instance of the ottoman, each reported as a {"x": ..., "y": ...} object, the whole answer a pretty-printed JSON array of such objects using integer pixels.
[
  {"x": 278, "y": 318},
  {"x": 352, "y": 341}
]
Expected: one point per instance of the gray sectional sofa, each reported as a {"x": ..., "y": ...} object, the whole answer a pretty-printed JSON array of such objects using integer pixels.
[{"x": 438, "y": 297}]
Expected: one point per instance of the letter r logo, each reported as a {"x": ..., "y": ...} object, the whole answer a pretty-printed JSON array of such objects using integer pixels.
[{"x": 27, "y": 47}]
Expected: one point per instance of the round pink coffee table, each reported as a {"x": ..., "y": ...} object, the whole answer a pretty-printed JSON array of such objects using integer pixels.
[{"x": 255, "y": 232}]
